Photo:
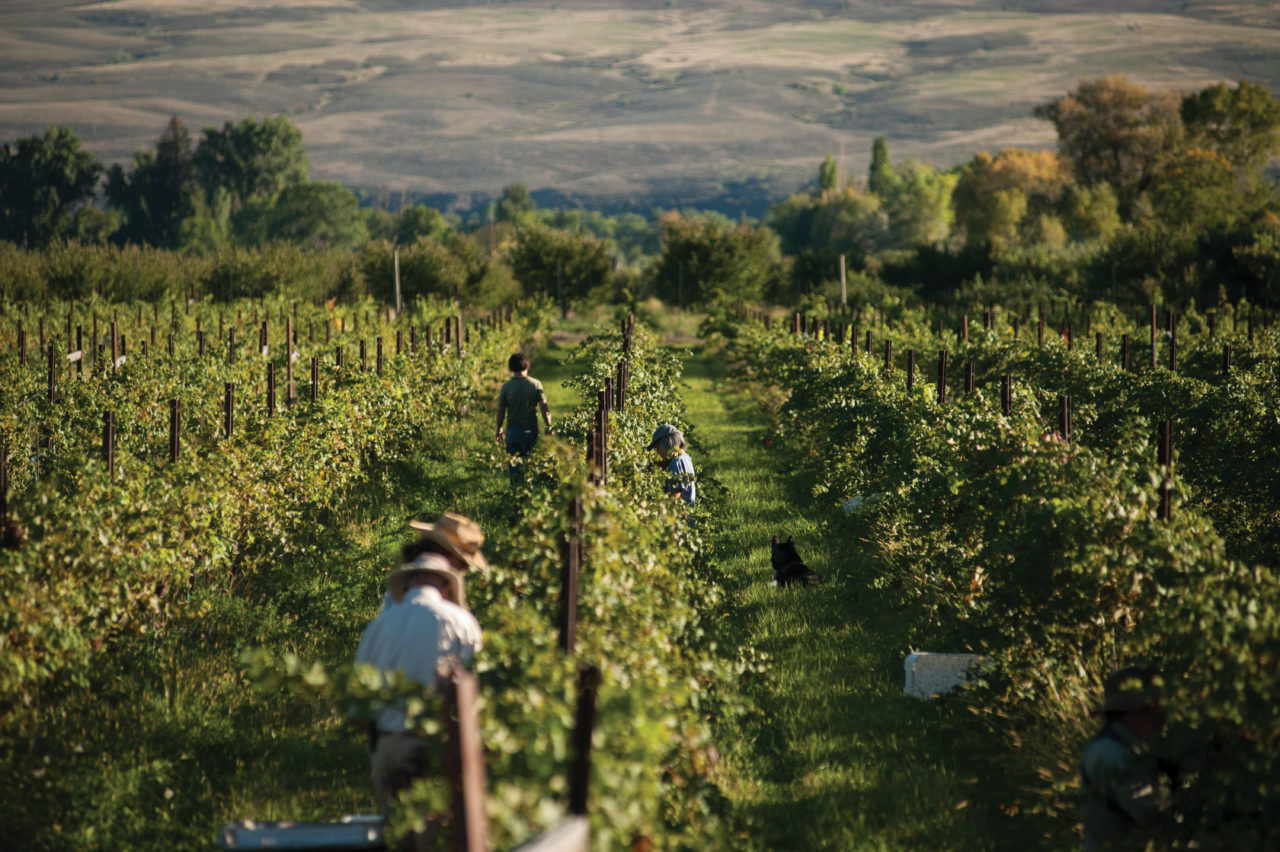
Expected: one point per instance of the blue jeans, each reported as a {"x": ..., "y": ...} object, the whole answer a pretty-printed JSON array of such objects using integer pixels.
[{"x": 520, "y": 442}]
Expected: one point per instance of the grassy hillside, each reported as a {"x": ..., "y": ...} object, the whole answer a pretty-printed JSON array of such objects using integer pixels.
[{"x": 602, "y": 100}]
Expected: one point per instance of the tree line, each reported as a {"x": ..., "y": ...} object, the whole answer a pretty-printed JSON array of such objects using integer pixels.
[{"x": 1150, "y": 195}]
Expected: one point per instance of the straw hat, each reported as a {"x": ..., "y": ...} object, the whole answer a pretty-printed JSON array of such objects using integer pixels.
[
  {"x": 460, "y": 536},
  {"x": 427, "y": 563}
]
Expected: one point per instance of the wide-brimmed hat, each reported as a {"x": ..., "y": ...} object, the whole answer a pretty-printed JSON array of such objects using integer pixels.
[
  {"x": 1130, "y": 688},
  {"x": 427, "y": 563},
  {"x": 460, "y": 536},
  {"x": 664, "y": 433}
]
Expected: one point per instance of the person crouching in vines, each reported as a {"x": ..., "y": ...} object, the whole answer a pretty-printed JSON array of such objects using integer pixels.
[{"x": 669, "y": 442}]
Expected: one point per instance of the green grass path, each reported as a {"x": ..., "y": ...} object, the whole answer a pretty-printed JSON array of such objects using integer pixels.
[{"x": 836, "y": 757}]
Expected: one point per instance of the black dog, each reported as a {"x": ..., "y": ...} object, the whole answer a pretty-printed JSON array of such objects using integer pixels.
[{"x": 789, "y": 568}]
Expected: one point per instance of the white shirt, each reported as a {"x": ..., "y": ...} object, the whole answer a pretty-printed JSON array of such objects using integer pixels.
[{"x": 412, "y": 637}]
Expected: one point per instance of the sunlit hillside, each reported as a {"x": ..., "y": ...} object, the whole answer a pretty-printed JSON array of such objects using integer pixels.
[{"x": 606, "y": 102}]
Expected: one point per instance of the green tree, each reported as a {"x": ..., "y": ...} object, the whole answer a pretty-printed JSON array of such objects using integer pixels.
[
  {"x": 880, "y": 177},
  {"x": 1090, "y": 212},
  {"x": 918, "y": 204},
  {"x": 315, "y": 214},
  {"x": 43, "y": 180},
  {"x": 828, "y": 175},
  {"x": 515, "y": 203},
  {"x": 1113, "y": 131},
  {"x": 1241, "y": 124},
  {"x": 554, "y": 262},
  {"x": 703, "y": 261},
  {"x": 159, "y": 192},
  {"x": 1199, "y": 190},
  {"x": 251, "y": 159},
  {"x": 418, "y": 221}
]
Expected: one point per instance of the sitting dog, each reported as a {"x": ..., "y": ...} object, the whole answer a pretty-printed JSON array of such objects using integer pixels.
[{"x": 789, "y": 568}]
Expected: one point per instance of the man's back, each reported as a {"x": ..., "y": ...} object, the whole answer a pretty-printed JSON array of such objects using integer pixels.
[
  {"x": 412, "y": 637},
  {"x": 521, "y": 396}
]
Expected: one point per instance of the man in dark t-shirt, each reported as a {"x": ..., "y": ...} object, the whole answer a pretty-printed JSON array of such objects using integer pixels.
[{"x": 519, "y": 402}]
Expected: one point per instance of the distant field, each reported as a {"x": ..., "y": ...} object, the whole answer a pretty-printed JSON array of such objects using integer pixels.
[{"x": 604, "y": 102}]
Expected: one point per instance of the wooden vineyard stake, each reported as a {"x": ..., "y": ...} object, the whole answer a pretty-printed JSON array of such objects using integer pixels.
[
  {"x": 1251, "y": 325},
  {"x": 1006, "y": 394},
  {"x": 200, "y": 344},
  {"x": 326, "y": 331},
  {"x": 1213, "y": 321},
  {"x": 968, "y": 377},
  {"x": 583, "y": 726},
  {"x": 337, "y": 356},
  {"x": 570, "y": 567},
  {"x": 22, "y": 346},
  {"x": 53, "y": 379},
  {"x": 1070, "y": 337},
  {"x": 109, "y": 441},
  {"x": 1165, "y": 461},
  {"x": 911, "y": 369},
  {"x": 1226, "y": 360},
  {"x": 1064, "y": 417},
  {"x": 888, "y": 357},
  {"x": 795, "y": 323},
  {"x": 364, "y": 357},
  {"x": 41, "y": 337},
  {"x": 315, "y": 379},
  {"x": 1040, "y": 332},
  {"x": 231, "y": 346},
  {"x": 1097, "y": 349},
  {"x": 228, "y": 409},
  {"x": 426, "y": 340},
  {"x": 4, "y": 480},
  {"x": 602, "y": 431},
  {"x": 942, "y": 377},
  {"x": 464, "y": 760},
  {"x": 868, "y": 346},
  {"x": 170, "y": 347},
  {"x": 271, "y": 389},
  {"x": 289, "y": 396},
  {"x": 608, "y": 394},
  {"x": 1173, "y": 343},
  {"x": 853, "y": 338},
  {"x": 413, "y": 339},
  {"x": 964, "y": 329},
  {"x": 1016, "y": 326},
  {"x": 175, "y": 430},
  {"x": 457, "y": 334},
  {"x": 1124, "y": 353},
  {"x": 1153, "y": 337},
  {"x": 619, "y": 384},
  {"x": 379, "y": 357},
  {"x": 399, "y": 342}
]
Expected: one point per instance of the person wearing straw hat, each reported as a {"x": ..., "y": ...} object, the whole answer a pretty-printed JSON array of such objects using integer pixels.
[
  {"x": 1122, "y": 797},
  {"x": 424, "y": 623}
]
